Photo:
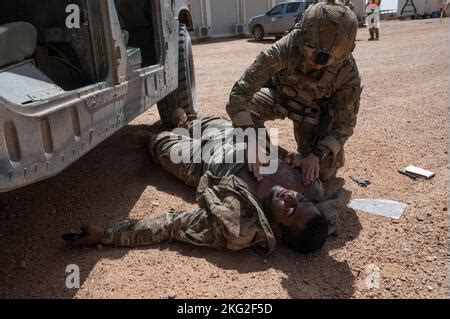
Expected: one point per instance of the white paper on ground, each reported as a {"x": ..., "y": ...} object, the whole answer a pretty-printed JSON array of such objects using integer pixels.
[
  {"x": 420, "y": 172},
  {"x": 380, "y": 207}
]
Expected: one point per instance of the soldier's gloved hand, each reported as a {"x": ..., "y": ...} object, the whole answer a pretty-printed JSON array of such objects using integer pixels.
[
  {"x": 310, "y": 167},
  {"x": 253, "y": 158}
]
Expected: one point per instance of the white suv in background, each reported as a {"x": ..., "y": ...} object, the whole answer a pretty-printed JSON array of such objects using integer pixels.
[{"x": 278, "y": 20}]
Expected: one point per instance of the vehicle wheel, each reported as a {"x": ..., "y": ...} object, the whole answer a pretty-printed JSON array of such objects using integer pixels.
[
  {"x": 184, "y": 96},
  {"x": 258, "y": 33}
]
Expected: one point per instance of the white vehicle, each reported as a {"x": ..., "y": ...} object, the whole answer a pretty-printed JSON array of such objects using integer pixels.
[{"x": 278, "y": 20}]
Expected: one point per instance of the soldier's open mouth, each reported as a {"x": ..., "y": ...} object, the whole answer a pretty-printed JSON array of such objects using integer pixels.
[{"x": 314, "y": 65}]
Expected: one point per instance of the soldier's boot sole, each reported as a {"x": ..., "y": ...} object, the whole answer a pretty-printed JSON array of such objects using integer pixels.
[
  {"x": 372, "y": 34},
  {"x": 179, "y": 117}
]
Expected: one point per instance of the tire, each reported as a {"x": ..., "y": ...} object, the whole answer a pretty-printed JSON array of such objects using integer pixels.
[
  {"x": 184, "y": 96},
  {"x": 258, "y": 33}
]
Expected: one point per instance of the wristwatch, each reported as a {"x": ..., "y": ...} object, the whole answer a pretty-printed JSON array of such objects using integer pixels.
[{"x": 319, "y": 151}]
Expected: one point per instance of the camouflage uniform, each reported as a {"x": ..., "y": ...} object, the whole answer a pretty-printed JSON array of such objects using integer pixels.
[
  {"x": 323, "y": 104},
  {"x": 230, "y": 215}
]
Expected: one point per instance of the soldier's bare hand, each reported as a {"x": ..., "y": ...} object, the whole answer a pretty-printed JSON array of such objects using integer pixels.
[
  {"x": 254, "y": 162},
  {"x": 310, "y": 169},
  {"x": 255, "y": 169}
]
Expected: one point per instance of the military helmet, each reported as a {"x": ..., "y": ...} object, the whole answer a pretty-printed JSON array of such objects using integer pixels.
[{"x": 327, "y": 33}]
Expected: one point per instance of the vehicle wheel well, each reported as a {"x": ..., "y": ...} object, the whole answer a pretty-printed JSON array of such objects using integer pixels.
[
  {"x": 184, "y": 96},
  {"x": 258, "y": 25},
  {"x": 185, "y": 18},
  {"x": 259, "y": 36}
]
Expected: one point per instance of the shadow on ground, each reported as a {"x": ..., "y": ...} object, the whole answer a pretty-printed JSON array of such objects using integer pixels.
[
  {"x": 100, "y": 188},
  {"x": 224, "y": 40},
  {"x": 316, "y": 275},
  {"x": 265, "y": 41},
  {"x": 215, "y": 40}
]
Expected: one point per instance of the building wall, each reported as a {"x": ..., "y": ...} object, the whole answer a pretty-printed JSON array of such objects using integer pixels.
[
  {"x": 422, "y": 6},
  {"x": 221, "y": 16},
  {"x": 256, "y": 7},
  {"x": 224, "y": 17},
  {"x": 197, "y": 14},
  {"x": 359, "y": 8}
]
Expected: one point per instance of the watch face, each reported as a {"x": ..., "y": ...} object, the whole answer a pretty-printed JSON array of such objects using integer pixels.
[{"x": 318, "y": 151}]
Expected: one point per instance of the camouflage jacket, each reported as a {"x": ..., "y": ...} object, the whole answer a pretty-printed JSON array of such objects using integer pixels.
[
  {"x": 229, "y": 217},
  {"x": 338, "y": 85}
]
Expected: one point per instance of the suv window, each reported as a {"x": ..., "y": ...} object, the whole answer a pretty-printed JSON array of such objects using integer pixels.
[
  {"x": 279, "y": 9},
  {"x": 292, "y": 7}
]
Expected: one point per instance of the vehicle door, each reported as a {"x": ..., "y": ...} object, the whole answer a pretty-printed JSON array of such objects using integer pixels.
[
  {"x": 292, "y": 10},
  {"x": 274, "y": 18}
]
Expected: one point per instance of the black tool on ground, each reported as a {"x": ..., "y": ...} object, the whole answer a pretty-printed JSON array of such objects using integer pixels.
[
  {"x": 361, "y": 182},
  {"x": 73, "y": 237}
]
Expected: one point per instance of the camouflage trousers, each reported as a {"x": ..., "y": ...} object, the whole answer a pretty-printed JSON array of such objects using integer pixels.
[
  {"x": 165, "y": 145},
  {"x": 374, "y": 33},
  {"x": 216, "y": 184},
  {"x": 265, "y": 107},
  {"x": 197, "y": 227}
]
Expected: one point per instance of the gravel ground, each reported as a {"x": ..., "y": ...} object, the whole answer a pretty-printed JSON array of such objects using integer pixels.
[{"x": 403, "y": 121}]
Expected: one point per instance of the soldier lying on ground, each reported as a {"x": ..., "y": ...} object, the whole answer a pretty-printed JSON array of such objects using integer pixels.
[{"x": 235, "y": 211}]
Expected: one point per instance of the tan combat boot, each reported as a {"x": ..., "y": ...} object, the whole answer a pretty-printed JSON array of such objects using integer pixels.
[
  {"x": 372, "y": 34},
  {"x": 179, "y": 117}
]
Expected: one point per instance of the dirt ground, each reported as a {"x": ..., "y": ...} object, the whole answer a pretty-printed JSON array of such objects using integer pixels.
[{"x": 402, "y": 121}]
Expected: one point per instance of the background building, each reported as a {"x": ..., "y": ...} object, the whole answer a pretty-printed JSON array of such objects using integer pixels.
[
  {"x": 224, "y": 18},
  {"x": 423, "y": 7}
]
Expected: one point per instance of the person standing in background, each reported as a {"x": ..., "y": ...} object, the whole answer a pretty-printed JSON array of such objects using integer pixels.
[{"x": 373, "y": 19}]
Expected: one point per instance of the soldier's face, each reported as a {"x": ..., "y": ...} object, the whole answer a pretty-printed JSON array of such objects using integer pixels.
[
  {"x": 311, "y": 64},
  {"x": 288, "y": 208},
  {"x": 309, "y": 53}
]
